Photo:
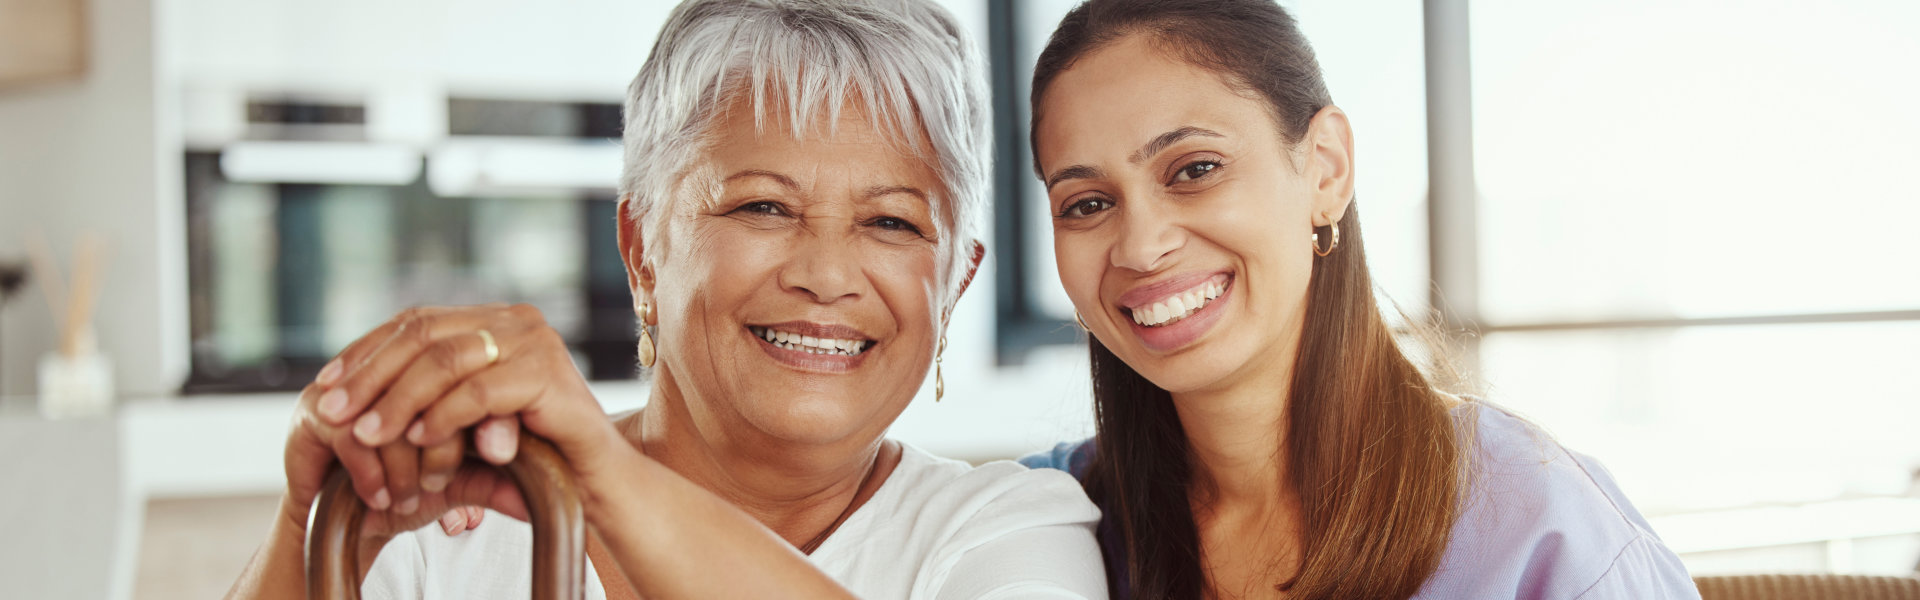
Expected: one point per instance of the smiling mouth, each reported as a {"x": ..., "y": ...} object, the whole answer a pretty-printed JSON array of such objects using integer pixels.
[
  {"x": 1173, "y": 308},
  {"x": 788, "y": 340}
]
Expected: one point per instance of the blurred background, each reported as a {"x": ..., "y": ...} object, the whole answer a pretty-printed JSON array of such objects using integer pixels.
[{"x": 1678, "y": 234}]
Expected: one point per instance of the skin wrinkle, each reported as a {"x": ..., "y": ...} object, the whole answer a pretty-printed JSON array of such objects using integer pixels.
[
  {"x": 827, "y": 63},
  {"x": 698, "y": 175},
  {"x": 821, "y": 260}
]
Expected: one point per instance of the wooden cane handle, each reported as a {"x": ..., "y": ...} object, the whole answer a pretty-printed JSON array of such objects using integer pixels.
[{"x": 553, "y": 508}]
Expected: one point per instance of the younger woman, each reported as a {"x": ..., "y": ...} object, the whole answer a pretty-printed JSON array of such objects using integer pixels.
[{"x": 1260, "y": 433}]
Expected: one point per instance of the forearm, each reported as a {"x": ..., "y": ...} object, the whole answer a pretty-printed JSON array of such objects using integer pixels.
[
  {"x": 278, "y": 568},
  {"x": 675, "y": 540}
]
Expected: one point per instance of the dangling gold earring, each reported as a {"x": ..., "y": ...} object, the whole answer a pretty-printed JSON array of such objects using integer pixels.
[
  {"x": 1333, "y": 242},
  {"x": 646, "y": 340},
  {"x": 939, "y": 378},
  {"x": 1081, "y": 321}
]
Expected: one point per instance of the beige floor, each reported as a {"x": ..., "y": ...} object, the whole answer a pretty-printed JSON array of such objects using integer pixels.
[{"x": 193, "y": 549}]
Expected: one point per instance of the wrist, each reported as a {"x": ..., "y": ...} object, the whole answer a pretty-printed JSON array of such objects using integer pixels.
[
  {"x": 600, "y": 459},
  {"x": 293, "y": 517},
  {"x": 612, "y": 483}
]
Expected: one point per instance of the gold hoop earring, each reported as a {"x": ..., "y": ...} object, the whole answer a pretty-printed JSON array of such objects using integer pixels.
[
  {"x": 1081, "y": 321},
  {"x": 939, "y": 378},
  {"x": 1333, "y": 240},
  {"x": 647, "y": 352}
]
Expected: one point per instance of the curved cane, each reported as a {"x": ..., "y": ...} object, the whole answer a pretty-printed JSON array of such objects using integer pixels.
[{"x": 553, "y": 508}]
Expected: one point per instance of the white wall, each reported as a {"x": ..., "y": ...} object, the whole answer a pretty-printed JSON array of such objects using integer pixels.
[
  {"x": 88, "y": 155},
  {"x": 403, "y": 55}
]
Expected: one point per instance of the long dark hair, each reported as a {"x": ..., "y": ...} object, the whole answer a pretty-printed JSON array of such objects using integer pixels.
[{"x": 1370, "y": 444}]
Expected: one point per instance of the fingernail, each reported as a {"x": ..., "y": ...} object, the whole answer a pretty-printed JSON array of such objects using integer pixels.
[
  {"x": 330, "y": 373},
  {"x": 417, "y": 431},
  {"x": 380, "y": 500},
  {"x": 434, "y": 483},
  {"x": 451, "y": 523},
  {"x": 368, "y": 427},
  {"x": 409, "y": 505},
  {"x": 500, "y": 445},
  {"x": 333, "y": 403}
]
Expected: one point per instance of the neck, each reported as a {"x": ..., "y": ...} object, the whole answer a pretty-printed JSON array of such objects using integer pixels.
[
  {"x": 1236, "y": 432},
  {"x": 797, "y": 490}
]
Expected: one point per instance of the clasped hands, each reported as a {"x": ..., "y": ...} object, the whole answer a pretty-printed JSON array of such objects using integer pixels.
[{"x": 399, "y": 406}]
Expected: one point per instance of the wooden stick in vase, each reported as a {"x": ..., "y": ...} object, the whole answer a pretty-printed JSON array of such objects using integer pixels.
[
  {"x": 80, "y": 301},
  {"x": 48, "y": 272}
]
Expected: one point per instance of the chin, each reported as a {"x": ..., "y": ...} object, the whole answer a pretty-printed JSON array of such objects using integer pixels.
[
  {"x": 812, "y": 418},
  {"x": 1189, "y": 372},
  {"x": 1207, "y": 364}
]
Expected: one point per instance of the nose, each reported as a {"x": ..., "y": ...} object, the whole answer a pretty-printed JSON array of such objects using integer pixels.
[
  {"x": 825, "y": 268},
  {"x": 1148, "y": 235}
]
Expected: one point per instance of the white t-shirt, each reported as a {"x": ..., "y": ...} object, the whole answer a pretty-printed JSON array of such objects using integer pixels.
[{"x": 937, "y": 528}]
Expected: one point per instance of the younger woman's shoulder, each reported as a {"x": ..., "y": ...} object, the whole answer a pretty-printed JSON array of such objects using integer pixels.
[
  {"x": 1071, "y": 457},
  {"x": 1538, "y": 516},
  {"x": 1514, "y": 461}
]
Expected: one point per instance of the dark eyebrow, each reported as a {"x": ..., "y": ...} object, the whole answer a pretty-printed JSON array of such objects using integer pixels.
[
  {"x": 884, "y": 190},
  {"x": 1153, "y": 147},
  {"x": 783, "y": 180},
  {"x": 1074, "y": 172},
  {"x": 1167, "y": 139}
]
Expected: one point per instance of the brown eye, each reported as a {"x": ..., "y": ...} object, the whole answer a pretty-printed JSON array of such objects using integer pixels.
[
  {"x": 1195, "y": 170},
  {"x": 1086, "y": 208},
  {"x": 762, "y": 208},
  {"x": 895, "y": 224}
]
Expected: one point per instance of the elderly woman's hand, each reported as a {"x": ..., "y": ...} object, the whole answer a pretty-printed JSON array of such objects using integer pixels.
[
  {"x": 314, "y": 445},
  {"x": 413, "y": 385}
]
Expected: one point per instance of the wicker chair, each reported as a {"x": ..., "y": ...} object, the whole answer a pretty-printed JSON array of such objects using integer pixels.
[{"x": 1807, "y": 587}]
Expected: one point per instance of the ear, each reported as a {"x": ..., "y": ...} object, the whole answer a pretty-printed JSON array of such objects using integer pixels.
[
  {"x": 978, "y": 254},
  {"x": 634, "y": 253},
  {"x": 1331, "y": 136}
]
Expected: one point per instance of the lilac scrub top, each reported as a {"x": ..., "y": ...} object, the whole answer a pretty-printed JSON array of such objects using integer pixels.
[{"x": 1540, "y": 522}]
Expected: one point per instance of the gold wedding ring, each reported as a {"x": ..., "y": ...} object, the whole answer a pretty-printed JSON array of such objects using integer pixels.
[{"x": 486, "y": 341}]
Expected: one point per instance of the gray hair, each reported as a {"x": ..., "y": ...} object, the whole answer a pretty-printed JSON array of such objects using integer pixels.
[{"x": 907, "y": 61}]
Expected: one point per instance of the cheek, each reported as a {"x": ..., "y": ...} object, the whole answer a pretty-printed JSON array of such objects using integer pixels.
[
  {"x": 711, "y": 271},
  {"x": 1262, "y": 217},
  {"x": 907, "y": 279},
  {"x": 1080, "y": 257},
  {"x": 1271, "y": 238}
]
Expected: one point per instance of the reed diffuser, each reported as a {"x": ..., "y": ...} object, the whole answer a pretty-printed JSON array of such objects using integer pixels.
[{"x": 76, "y": 380}]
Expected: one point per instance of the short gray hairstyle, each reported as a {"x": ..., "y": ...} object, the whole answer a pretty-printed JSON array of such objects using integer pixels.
[{"x": 907, "y": 61}]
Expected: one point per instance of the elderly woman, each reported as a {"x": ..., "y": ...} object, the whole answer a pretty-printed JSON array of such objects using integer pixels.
[{"x": 800, "y": 185}]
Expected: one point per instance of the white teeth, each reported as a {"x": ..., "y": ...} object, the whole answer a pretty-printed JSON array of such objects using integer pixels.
[
  {"x": 1178, "y": 306},
  {"x": 810, "y": 344}
]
